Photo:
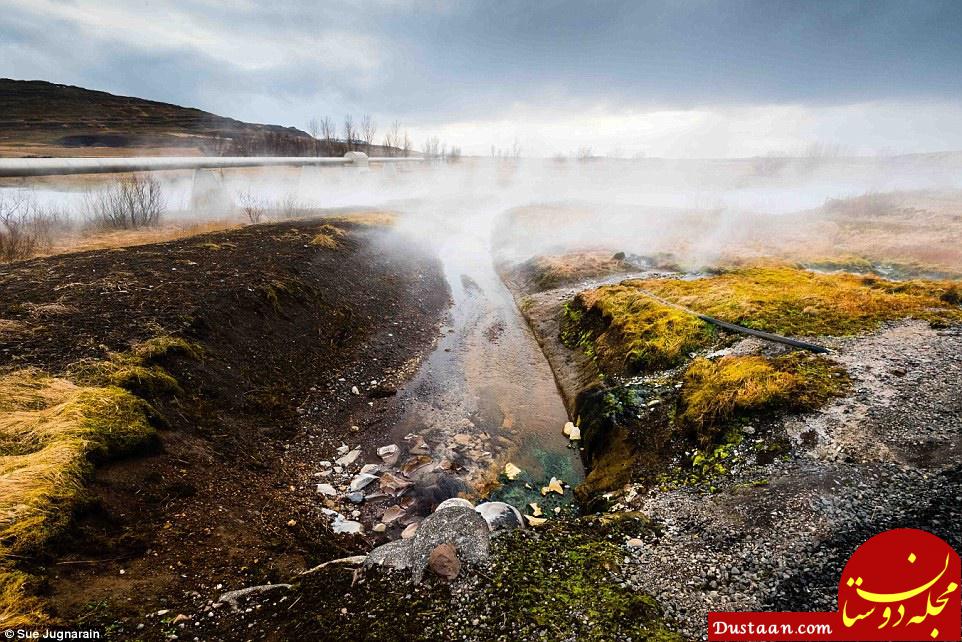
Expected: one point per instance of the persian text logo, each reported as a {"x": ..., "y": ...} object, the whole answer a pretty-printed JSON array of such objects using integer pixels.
[{"x": 900, "y": 585}]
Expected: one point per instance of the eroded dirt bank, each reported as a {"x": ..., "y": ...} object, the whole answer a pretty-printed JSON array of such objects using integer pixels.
[{"x": 278, "y": 318}]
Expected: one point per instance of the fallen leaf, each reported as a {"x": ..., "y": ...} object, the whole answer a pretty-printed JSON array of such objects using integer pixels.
[
  {"x": 535, "y": 521},
  {"x": 535, "y": 509},
  {"x": 511, "y": 471},
  {"x": 554, "y": 486}
]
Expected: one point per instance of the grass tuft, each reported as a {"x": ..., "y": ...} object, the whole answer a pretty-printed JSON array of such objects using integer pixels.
[
  {"x": 51, "y": 432},
  {"x": 714, "y": 392},
  {"x": 329, "y": 237}
]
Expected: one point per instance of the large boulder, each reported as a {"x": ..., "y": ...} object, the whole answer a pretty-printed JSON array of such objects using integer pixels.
[
  {"x": 395, "y": 554},
  {"x": 459, "y": 526},
  {"x": 454, "y": 501}
]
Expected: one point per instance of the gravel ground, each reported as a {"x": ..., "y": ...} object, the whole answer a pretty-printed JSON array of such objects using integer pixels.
[{"x": 888, "y": 456}]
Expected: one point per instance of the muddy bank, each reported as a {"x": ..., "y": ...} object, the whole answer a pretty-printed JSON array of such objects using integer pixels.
[{"x": 281, "y": 319}]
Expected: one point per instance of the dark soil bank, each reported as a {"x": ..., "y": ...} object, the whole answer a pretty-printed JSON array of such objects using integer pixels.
[{"x": 280, "y": 320}]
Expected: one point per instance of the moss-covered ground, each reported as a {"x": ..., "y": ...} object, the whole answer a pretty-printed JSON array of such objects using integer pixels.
[{"x": 628, "y": 331}]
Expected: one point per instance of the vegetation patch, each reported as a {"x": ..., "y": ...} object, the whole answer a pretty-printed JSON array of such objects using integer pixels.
[
  {"x": 715, "y": 392},
  {"x": 884, "y": 269},
  {"x": 51, "y": 433},
  {"x": 366, "y": 219},
  {"x": 628, "y": 332},
  {"x": 138, "y": 370},
  {"x": 631, "y": 332},
  {"x": 328, "y": 237},
  {"x": 564, "y": 579}
]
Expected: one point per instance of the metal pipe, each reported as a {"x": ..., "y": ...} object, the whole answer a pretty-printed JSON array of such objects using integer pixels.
[{"x": 17, "y": 167}]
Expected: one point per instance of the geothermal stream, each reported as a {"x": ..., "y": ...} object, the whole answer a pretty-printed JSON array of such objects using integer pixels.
[{"x": 486, "y": 395}]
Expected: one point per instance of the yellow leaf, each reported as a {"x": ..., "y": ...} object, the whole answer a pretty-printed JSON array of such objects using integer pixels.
[
  {"x": 535, "y": 521},
  {"x": 511, "y": 471},
  {"x": 535, "y": 509}
]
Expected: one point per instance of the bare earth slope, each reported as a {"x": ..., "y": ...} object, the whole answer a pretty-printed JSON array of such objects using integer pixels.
[{"x": 39, "y": 118}]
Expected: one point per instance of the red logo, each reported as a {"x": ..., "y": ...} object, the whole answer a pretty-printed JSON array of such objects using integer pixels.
[{"x": 902, "y": 584}]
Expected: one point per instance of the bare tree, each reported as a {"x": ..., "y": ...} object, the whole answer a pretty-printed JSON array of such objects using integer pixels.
[
  {"x": 406, "y": 145},
  {"x": 454, "y": 155},
  {"x": 251, "y": 207},
  {"x": 314, "y": 129},
  {"x": 432, "y": 147},
  {"x": 368, "y": 131},
  {"x": 329, "y": 134},
  {"x": 350, "y": 133},
  {"x": 130, "y": 203},
  {"x": 26, "y": 228},
  {"x": 392, "y": 139}
]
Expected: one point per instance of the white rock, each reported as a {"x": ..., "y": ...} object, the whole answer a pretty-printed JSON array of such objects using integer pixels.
[
  {"x": 325, "y": 463},
  {"x": 370, "y": 469},
  {"x": 347, "y": 526},
  {"x": 379, "y": 528},
  {"x": 349, "y": 458},
  {"x": 386, "y": 452},
  {"x": 326, "y": 489},
  {"x": 342, "y": 449},
  {"x": 355, "y": 391},
  {"x": 575, "y": 433},
  {"x": 567, "y": 429},
  {"x": 362, "y": 481}
]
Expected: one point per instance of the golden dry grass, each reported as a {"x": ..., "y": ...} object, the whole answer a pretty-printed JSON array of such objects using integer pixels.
[
  {"x": 373, "y": 218},
  {"x": 713, "y": 392},
  {"x": 552, "y": 271},
  {"x": 328, "y": 237},
  {"x": 129, "y": 238},
  {"x": 51, "y": 430}
]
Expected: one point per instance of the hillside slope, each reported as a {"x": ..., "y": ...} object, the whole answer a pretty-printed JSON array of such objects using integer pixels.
[{"x": 39, "y": 118}]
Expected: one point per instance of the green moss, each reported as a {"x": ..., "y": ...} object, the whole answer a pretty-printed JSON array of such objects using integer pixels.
[
  {"x": 791, "y": 301},
  {"x": 564, "y": 579},
  {"x": 628, "y": 333},
  {"x": 138, "y": 370}
]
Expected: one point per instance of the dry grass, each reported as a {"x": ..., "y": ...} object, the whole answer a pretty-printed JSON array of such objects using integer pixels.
[
  {"x": 329, "y": 237},
  {"x": 629, "y": 332},
  {"x": 128, "y": 238},
  {"x": 552, "y": 271},
  {"x": 370, "y": 219},
  {"x": 51, "y": 431},
  {"x": 713, "y": 392}
]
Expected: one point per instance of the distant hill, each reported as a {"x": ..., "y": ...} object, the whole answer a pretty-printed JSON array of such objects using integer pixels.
[{"x": 39, "y": 118}]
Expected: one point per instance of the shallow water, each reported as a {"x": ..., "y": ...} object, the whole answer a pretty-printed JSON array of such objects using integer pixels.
[{"x": 488, "y": 380}]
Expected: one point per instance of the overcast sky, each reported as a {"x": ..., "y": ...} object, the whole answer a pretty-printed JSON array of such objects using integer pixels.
[{"x": 695, "y": 78}]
